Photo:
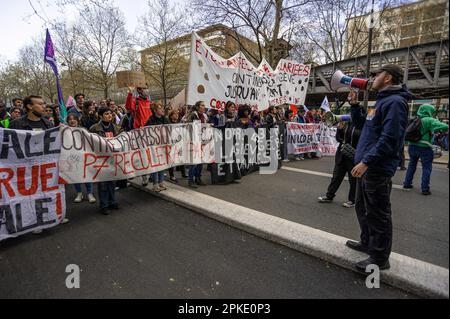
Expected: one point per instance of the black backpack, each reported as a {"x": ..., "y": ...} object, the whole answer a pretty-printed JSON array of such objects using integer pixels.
[{"x": 413, "y": 130}]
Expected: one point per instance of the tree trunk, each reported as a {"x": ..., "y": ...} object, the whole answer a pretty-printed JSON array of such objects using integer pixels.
[{"x": 273, "y": 45}]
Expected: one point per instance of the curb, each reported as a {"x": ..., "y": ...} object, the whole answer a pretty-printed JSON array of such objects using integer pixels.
[{"x": 406, "y": 273}]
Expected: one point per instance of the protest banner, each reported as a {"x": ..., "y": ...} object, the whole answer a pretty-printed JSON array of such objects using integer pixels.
[
  {"x": 31, "y": 197},
  {"x": 216, "y": 80},
  {"x": 309, "y": 138},
  {"x": 179, "y": 100},
  {"x": 87, "y": 157},
  {"x": 328, "y": 144},
  {"x": 241, "y": 151},
  {"x": 130, "y": 79}
]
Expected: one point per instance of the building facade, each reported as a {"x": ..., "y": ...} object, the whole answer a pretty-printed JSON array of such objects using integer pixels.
[
  {"x": 402, "y": 26},
  {"x": 223, "y": 40}
]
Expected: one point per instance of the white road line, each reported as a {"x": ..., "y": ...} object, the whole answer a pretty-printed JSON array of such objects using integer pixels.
[{"x": 304, "y": 171}]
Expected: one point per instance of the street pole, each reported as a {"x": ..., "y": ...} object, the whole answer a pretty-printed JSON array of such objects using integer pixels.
[{"x": 369, "y": 54}]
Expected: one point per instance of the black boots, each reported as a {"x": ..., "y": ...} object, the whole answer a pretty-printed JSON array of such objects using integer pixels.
[{"x": 358, "y": 246}]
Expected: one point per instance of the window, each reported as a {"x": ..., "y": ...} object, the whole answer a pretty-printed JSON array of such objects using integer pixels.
[
  {"x": 388, "y": 46},
  {"x": 409, "y": 18}
]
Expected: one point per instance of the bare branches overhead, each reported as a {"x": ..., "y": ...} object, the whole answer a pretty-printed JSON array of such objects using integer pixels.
[{"x": 266, "y": 22}]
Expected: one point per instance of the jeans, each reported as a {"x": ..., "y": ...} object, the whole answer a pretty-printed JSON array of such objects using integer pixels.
[
  {"x": 345, "y": 166},
  {"x": 195, "y": 171},
  {"x": 89, "y": 188},
  {"x": 107, "y": 194},
  {"x": 426, "y": 156},
  {"x": 373, "y": 209},
  {"x": 158, "y": 177}
]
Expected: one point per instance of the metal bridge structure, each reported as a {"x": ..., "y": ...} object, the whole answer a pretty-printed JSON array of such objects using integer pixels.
[{"x": 426, "y": 69}]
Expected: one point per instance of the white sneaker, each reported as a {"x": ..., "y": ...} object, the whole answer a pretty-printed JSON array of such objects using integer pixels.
[
  {"x": 144, "y": 180},
  {"x": 79, "y": 198},
  {"x": 64, "y": 221},
  {"x": 162, "y": 187},
  {"x": 37, "y": 232},
  {"x": 91, "y": 199},
  {"x": 348, "y": 204},
  {"x": 156, "y": 189},
  {"x": 286, "y": 160}
]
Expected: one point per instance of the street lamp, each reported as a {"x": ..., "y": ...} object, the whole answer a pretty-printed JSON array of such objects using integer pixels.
[{"x": 369, "y": 53}]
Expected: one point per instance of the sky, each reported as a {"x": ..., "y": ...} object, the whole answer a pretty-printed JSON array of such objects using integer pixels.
[{"x": 20, "y": 25}]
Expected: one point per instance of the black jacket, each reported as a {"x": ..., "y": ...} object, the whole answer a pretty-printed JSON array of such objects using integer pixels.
[
  {"x": 23, "y": 124},
  {"x": 99, "y": 129},
  {"x": 127, "y": 123},
  {"x": 154, "y": 120},
  {"x": 88, "y": 121},
  {"x": 351, "y": 133}
]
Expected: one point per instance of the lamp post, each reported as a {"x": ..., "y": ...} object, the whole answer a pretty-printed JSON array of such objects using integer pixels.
[{"x": 369, "y": 53}]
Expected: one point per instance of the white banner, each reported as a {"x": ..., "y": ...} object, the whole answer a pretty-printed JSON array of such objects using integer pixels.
[
  {"x": 216, "y": 80},
  {"x": 327, "y": 143},
  {"x": 31, "y": 197},
  {"x": 310, "y": 138},
  {"x": 87, "y": 157}
]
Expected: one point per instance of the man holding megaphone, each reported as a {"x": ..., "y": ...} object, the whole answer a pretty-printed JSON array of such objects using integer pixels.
[{"x": 377, "y": 158}]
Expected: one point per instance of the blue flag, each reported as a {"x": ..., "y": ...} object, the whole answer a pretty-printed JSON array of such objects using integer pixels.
[{"x": 49, "y": 57}]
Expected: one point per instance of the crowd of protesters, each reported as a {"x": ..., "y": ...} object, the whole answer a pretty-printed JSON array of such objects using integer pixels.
[{"x": 108, "y": 119}]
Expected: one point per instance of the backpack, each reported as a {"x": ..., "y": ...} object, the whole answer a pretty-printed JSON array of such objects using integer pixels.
[{"x": 413, "y": 130}]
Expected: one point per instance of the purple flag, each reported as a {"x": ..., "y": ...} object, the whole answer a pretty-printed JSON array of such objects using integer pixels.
[{"x": 49, "y": 57}]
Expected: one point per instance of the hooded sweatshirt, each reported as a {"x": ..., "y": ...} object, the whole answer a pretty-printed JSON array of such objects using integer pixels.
[
  {"x": 139, "y": 108},
  {"x": 429, "y": 125},
  {"x": 383, "y": 134}
]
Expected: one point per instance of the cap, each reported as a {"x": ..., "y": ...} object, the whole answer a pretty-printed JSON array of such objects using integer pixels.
[{"x": 393, "y": 69}]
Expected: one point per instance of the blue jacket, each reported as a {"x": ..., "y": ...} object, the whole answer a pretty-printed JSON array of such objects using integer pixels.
[{"x": 382, "y": 138}]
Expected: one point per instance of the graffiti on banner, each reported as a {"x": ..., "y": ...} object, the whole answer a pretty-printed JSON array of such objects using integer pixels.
[
  {"x": 310, "y": 138},
  {"x": 241, "y": 151},
  {"x": 328, "y": 144},
  {"x": 87, "y": 157},
  {"x": 216, "y": 80},
  {"x": 31, "y": 195}
]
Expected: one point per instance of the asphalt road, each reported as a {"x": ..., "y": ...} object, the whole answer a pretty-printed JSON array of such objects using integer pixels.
[
  {"x": 421, "y": 223},
  {"x": 155, "y": 249}
]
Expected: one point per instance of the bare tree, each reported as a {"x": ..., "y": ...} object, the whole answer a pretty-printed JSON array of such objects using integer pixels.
[
  {"x": 338, "y": 29},
  {"x": 101, "y": 40},
  {"x": 162, "y": 61},
  {"x": 11, "y": 85},
  {"x": 267, "y": 22},
  {"x": 73, "y": 69}
]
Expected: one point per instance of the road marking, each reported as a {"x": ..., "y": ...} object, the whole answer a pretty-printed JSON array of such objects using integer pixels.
[{"x": 304, "y": 171}]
